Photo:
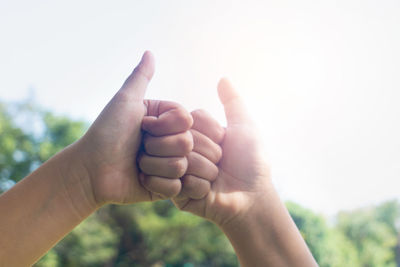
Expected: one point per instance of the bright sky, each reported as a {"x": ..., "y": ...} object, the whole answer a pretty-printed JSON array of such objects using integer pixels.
[{"x": 321, "y": 78}]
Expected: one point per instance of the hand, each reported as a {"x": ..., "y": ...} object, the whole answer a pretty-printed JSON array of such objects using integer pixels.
[
  {"x": 243, "y": 176},
  {"x": 162, "y": 149},
  {"x": 242, "y": 200},
  {"x": 236, "y": 194},
  {"x": 99, "y": 168},
  {"x": 110, "y": 147},
  {"x": 224, "y": 191}
]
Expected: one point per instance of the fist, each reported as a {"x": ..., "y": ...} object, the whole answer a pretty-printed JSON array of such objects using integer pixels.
[{"x": 179, "y": 164}]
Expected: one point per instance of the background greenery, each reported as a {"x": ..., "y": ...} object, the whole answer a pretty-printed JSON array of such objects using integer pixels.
[{"x": 157, "y": 234}]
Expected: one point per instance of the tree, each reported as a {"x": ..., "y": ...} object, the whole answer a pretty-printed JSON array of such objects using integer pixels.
[
  {"x": 373, "y": 232},
  {"x": 24, "y": 147},
  {"x": 17, "y": 150},
  {"x": 329, "y": 246}
]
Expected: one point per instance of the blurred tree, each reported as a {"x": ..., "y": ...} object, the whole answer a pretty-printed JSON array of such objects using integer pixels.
[
  {"x": 195, "y": 241},
  {"x": 58, "y": 132},
  {"x": 389, "y": 214},
  {"x": 22, "y": 148},
  {"x": 158, "y": 234},
  {"x": 92, "y": 243},
  {"x": 373, "y": 232},
  {"x": 329, "y": 246},
  {"x": 17, "y": 150}
]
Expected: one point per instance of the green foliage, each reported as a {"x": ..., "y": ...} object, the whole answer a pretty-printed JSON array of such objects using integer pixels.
[
  {"x": 148, "y": 234},
  {"x": 373, "y": 233},
  {"x": 23, "y": 150},
  {"x": 51, "y": 259},
  {"x": 92, "y": 243},
  {"x": 389, "y": 214},
  {"x": 339, "y": 251},
  {"x": 17, "y": 150},
  {"x": 59, "y": 132},
  {"x": 329, "y": 246},
  {"x": 365, "y": 237},
  {"x": 194, "y": 241}
]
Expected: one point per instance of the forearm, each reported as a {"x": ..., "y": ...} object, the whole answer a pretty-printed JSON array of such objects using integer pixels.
[
  {"x": 267, "y": 236},
  {"x": 42, "y": 208}
]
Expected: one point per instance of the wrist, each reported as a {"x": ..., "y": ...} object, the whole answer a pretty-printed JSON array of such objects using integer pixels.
[
  {"x": 76, "y": 179},
  {"x": 265, "y": 235},
  {"x": 258, "y": 204}
]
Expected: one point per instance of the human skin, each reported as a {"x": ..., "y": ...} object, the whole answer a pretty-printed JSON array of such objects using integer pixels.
[
  {"x": 241, "y": 198},
  {"x": 99, "y": 168},
  {"x": 201, "y": 170}
]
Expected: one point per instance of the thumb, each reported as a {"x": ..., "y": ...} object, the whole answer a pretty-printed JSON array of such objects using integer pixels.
[
  {"x": 235, "y": 110},
  {"x": 136, "y": 84}
]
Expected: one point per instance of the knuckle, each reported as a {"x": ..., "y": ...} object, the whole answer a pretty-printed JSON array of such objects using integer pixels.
[
  {"x": 142, "y": 163},
  {"x": 174, "y": 190},
  {"x": 219, "y": 134},
  {"x": 185, "y": 142},
  {"x": 178, "y": 166},
  {"x": 198, "y": 113},
  {"x": 214, "y": 173},
  {"x": 203, "y": 190},
  {"x": 192, "y": 158},
  {"x": 147, "y": 143},
  {"x": 184, "y": 118},
  {"x": 195, "y": 187},
  {"x": 217, "y": 154},
  {"x": 186, "y": 181}
]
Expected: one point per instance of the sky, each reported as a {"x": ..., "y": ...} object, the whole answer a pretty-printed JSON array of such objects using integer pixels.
[{"x": 320, "y": 78}]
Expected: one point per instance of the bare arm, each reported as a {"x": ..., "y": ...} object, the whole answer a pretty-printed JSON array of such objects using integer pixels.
[
  {"x": 242, "y": 200},
  {"x": 267, "y": 236},
  {"x": 99, "y": 168},
  {"x": 257, "y": 223},
  {"x": 43, "y": 207}
]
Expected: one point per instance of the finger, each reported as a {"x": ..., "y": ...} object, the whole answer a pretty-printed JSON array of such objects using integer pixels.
[
  {"x": 167, "y": 188},
  {"x": 207, "y": 125},
  {"x": 166, "y": 118},
  {"x": 234, "y": 107},
  {"x": 206, "y": 147},
  {"x": 194, "y": 187},
  {"x": 201, "y": 167},
  {"x": 135, "y": 85},
  {"x": 172, "y": 167},
  {"x": 177, "y": 145},
  {"x": 195, "y": 206}
]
